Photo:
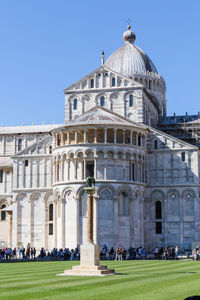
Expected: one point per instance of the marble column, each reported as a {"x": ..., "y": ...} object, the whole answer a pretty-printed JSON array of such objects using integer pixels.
[
  {"x": 90, "y": 219},
  {"x": 131, "y": 137},
  {"x": 115, "y": 135},
  {"x": 105, "y": 135},
  {"x": 67, "y": 137},
  {"x": 123, "y": 136}
]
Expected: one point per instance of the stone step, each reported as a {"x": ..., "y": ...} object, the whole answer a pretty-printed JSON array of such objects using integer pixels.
[
  {"x": 82, "y": 267},
  {"x": 88, "y": 272}
]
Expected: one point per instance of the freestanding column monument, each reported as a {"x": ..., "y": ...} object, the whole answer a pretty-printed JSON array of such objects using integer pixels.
[{"x": 90, "y": 253}]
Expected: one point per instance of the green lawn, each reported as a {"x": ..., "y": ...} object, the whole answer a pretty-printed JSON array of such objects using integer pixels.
[{"x": 152, "y": 280}]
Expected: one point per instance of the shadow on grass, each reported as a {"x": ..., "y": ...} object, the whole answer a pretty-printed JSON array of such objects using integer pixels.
[
  {"x": 120, "y": 274},
  {"x": 193, "y": 298}
]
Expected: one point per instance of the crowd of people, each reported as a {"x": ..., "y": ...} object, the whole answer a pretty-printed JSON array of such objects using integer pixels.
[
  {"x": 31, "y": 253},
  {"x": 118, "y": 253},
  {"x": 169, "y": 252},
  {"x": 121, "y": 253},
  {"x": 18, "y": 253}
]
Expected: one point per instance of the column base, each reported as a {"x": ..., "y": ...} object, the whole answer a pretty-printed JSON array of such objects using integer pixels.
[
  {"x": 90, "y": 254},
  {"x": 88, "y": 271},
  {"x": 89, "y": 263}
]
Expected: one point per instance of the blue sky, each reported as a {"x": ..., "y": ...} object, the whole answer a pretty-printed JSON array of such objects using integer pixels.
[{"x": 46, "y": 45}]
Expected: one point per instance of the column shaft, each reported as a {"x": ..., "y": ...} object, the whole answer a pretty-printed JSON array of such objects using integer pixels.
[{"x": 90, "y": 219}]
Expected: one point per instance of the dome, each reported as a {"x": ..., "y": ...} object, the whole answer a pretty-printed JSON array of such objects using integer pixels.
[{"x": 130, "y": 59}]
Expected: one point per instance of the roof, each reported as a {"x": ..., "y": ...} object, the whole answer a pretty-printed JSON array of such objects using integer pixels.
[
  {"x": 102, "y": 116},
  {"x": 171, "y": 120},
  {"x": 5, "y": 162},
  {"x": 130, "y": 60},
  {"x": 28, "y": 129}
]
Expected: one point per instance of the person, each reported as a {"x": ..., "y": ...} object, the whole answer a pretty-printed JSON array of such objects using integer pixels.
[
  {"x": 156, "y": 252},
  {"x": 194, "y": 253},
  {"x": 176, "y": 252},
  {"x": 111, "y": 253},
  {"x": 23, "y": 252},
  {"x": 166, "y": 253},
  {"x": 117, "y": 253},
  {"x": 14, "y": 253},
  {"x": 144, "y": 253},
  {"x": 124, "y": 252},
  {"x": 19, "y": 253},
  {"x": 160, "y": 253},
  {"x": 198, "y": 251},
  {"x": 120, "y": 254}
]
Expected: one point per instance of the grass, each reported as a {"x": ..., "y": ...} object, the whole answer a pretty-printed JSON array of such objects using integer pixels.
[{"x": 138, "y": 280}]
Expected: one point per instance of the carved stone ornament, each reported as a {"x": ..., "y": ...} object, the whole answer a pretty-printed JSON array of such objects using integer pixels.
[
  {"x": 84, "y": 84},
  {"x": 106, "y": 194},
  {"x": 188, "y": 195},
  {"x": 119, "y": 81},
  {"x": 172, "y": 196},
  {"x": 68, "y": 193}
]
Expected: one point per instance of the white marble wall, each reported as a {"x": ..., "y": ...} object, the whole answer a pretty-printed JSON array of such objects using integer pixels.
[{"x": 145, "y": 108}]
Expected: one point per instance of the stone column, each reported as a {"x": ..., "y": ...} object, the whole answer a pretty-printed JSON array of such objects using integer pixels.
[
  {"x": 90, "y": 219},
  {"x": 95, "y": 135},
  {"x": 63, "y": 222},
  {"x": 76, "y": 136},
  {"x": 9, "y": 214},
  {"x": 115, "y": 135},
  {"x": 95, "y": 219},
  {"x": 84, "y": 137},
  {"x": 62, "y": 140},
  {"x": 67, "y": 137},
  {"x": 105, "y": 135},
  {"x": 55, "y": 222},
  {"x": 131, "y": 137},
  {"x": 84, "y": 168},
  {"x": 123, "y": 136}
]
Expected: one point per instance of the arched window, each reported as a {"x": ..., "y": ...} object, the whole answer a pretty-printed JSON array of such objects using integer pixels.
[
  {"x": 75, "y": 104},
  {"x": 3, "y": 213},
  {"x": 139, "y": 140},
  {"x": 1, "y": 176},
  {"x": 51, "y": 212},
  {"x": 113, "y": 81},
  {"x": 19, "y": 145},
  {"x": 58, "y": 140},
  {"x": 158, "y": 210},
  {"x": 123, "y": 204},
  {"x": 102, "y": 101},
  {"x": 50, "y": 149},
  {"x": 155, "y": 144},
  {"x": 92, "y": 83},
  {"x": 131, "y": 100},
  {"x": 58, "y": 170},
  {"x": 158, "y": 215},
  {"x": 183, "y": 156}
]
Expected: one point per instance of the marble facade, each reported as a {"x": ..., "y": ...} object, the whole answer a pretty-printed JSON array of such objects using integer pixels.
[{"x": 147, "y": 180}]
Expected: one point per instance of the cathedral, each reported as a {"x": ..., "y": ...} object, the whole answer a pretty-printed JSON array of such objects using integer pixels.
[{"x": 116, "y": 129}]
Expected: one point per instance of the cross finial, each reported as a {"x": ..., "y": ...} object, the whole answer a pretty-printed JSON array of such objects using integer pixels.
[{"x": 128, "y": 21}]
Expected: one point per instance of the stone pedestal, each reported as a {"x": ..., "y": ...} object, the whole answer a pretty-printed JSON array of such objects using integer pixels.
[
  {"x": 89, "y": 264},
  {"x": 90, "y": 253}
]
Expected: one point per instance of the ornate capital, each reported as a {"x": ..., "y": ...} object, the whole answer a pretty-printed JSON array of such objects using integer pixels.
[{"x": 90, "y": 190}]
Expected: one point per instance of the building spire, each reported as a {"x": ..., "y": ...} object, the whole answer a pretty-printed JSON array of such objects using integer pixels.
[{"x": 102, "y": 57}]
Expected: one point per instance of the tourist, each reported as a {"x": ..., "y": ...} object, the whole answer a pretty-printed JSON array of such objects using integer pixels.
[
  {"x": 194, "y": 253},
  {"x": 166, "y": 254},
  {"x": 177, "y": 250}
]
